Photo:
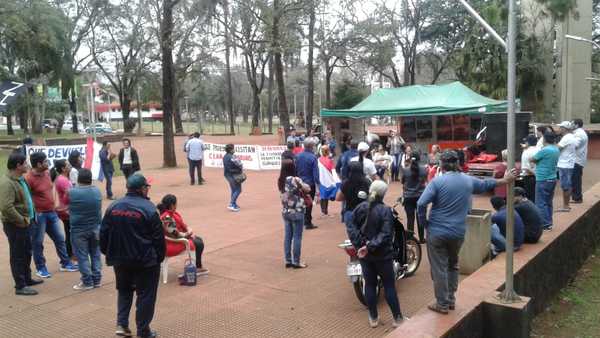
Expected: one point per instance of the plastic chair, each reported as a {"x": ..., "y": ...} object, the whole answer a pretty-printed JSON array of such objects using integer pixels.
[{"x": 164, "y": 266}]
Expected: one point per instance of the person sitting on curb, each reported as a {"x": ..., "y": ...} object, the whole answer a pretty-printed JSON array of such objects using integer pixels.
[
  {"x": 499, "y": 227},
  {"x": 531, "y": 216}
]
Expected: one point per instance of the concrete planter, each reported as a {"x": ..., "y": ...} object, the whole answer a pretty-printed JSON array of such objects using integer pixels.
[{"x": 476, "y": 247}]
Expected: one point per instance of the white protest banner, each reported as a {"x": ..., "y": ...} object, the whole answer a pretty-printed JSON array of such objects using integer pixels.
[
  {"x": 270, "y": 157},
  {"x": 248, "y": 154},
  {"x": 62, "y": 152}
]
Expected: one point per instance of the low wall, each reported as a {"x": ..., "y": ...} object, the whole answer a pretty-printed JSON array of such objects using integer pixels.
[{"x": 541, "y": 270}]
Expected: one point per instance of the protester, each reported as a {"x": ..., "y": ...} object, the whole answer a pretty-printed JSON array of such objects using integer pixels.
[
  {"x": 107, "y": 167},
  {"x": 292, "y": 190},
  {"x": 499, "y": 220},
  {"x": 288, "y": 154},
  {"x": 60, "y": 176},
  {"x": 328, "y": 180},
  {"x": 528, "y": 167},
  {"x": 76, "y": 162},
  {"x": 413, "y": 185},
  {"x": 169, "y": 215},
  {"x": 530, "y": 214},
  {"x": 297, "y": 148},
  {"x": 539, "y": 133},
  {"x": 342, "y": 164},
  {"x": 16, "y": 207},
  {"x": 580, "y": 160},
  {"x": 566, "y": 162},
  {"x": 369, "y": 169},
  {"x": 132, "y": 239},
  {"x": 307, "y": 168},
  {"x": 499, "y": 171},
  {"x": 395, "y": 143},
  {"x": 371, "y": 232},
  {"x": 383, "y": 162},
  {"x": 406, "y": 156},
  {"x": 46, "y": 219},
  {"x": 195, "y": 154},
  {"x": 331, "y": 143},
  {"x": 545, "y": 177},
  {"x": 234, "y": 174},
  {"x": 450, "y": 195},
  {"x": 27, "y": 141},
  {"x": 434, "y": 155},
  {"x": 129, "y": 161},
  {"x": 353, "y": 187},
  {"x": 292, "y": 137},
  {"x": 85, "y": 208}
]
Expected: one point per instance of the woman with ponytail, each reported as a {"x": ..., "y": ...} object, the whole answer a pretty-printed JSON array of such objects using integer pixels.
[
  {"x": 371, "y": 232},
  {"x": 413, "y": 183},
  {"x": 62, "y": 184},
  {"x": 175, "y": 227},
  {"x": 368, "y": 166}
]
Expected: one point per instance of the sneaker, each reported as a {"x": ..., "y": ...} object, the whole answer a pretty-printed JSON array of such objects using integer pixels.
[
  {"x": 373, "y": 322},
  {"x": 438, "y": 308},
  {"x": 97, "y": 285},
  {"x": 43, "y": 273},
  {"x": 398, "y": 321},
  {"x": 25, "y": 291},
  {"x": 202, "y": 271},
  {"x": 69, "y": 267},
  {"x": 82, "y": 287},
  {"x": 548, "y": 227},
  {"x": 235, "y": 208},
  {"x": 149, "y": 334},
  {"x": 123, "y": 331}
]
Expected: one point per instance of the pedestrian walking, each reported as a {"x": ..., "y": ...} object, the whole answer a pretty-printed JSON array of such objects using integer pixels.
[
  {"x": 413, "y": 185},
  {"x": 46, "y": 219},
  {"x": 369, "y": 169},
  {"x": 566, "y": 163},
  {"x": 17, "y": 210},
  {"x": 371, "y": 232},
  {"x": 195, "y": 154},
  {"x": 546, "y": 161},
  {"x": 353, "y": 191},
  {"x": 107, "y": 167},
  {"x": 292, "y": 190},
  {"x": 129, "y": 162},
  {"x": 234, "y": 174},
  {"x": 450, "y": 196},
  {"x": 85, "y": 208},
  {"x": 132, "y": 239},
  {"x": 307, "y": 169},
  {"x": 328, "y": 180},
  {"x": 580, "y": 159},
  {"x": 168, "y": 213},
  {"x": 528, "y": 167},
  {"x": 60, "y": 174},
  {"x": 395, "y": 143},
  {"x": 76, "y": 162}
]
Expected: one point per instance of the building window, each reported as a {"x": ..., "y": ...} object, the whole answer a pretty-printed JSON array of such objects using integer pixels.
[
  {"x": 424, "y": 128},
  {"x": 408, "y": 129},
  {"x": 444, "y": 128},
  {"x": 461, "y": 127}
]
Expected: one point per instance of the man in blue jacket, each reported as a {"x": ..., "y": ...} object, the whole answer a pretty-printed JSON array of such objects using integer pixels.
[
  {"x": 133, "y": 241},
  {"x": 307, "y": 168},
  {"x": 499, "y": 227},
  {"x": 341, "y": 166}
]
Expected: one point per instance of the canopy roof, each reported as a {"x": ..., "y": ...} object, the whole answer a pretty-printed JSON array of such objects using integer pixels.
[{"x": 452, "y": 98}]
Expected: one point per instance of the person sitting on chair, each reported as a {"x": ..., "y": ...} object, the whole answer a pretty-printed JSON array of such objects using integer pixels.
[{"x": 175, "y": 228}]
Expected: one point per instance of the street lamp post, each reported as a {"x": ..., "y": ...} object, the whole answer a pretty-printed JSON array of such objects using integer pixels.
[{"x": 579, "y": 38}]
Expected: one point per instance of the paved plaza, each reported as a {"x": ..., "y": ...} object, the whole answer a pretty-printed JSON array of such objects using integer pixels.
[{"x": 248, "y": 292}]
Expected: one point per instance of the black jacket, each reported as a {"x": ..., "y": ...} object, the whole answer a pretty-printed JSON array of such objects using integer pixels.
[
  {"x": 377, "y": 235},
  {"x": 132, "y": 233},
  {"x": 135, "y": 160}
]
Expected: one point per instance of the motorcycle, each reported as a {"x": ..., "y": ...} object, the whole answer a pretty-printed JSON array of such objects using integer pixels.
[{"x": 407, "y": 257}]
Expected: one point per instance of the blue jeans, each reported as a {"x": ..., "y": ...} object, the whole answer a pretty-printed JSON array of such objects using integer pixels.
[
  {"x": 544, "y": 194},
  {"x": 87, "y": 250},
  {"x": 385, "y": 270},
  {"x": 577, "y": 177},
  {"x": 396, "y": 166},
  {"x": 47, "y": 222},
  {"x": 292, "y": 242},
  {"x": 108, "y": 175},
  {"x": 566, "y": 178},
  {"x": 236, "y": 190},
  {"x": 443, "y": 261},
  {"x": 498, "y": 241}
]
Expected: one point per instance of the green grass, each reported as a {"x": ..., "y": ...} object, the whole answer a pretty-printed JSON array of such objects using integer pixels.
[
  {"x": 241, "y": 128},
  {"x": 19, "y": 135},
  {"x": 576, "y": 310}
]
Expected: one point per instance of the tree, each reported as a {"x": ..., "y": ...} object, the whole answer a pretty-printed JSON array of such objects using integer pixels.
[
  {"x": 310, "y": 70},
  {"x": 122, "y": 48},
  {"x": 348, "y": 94}
]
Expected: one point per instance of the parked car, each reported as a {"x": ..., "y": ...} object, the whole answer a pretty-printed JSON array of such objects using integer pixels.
[{"x": 101, "y": 128}]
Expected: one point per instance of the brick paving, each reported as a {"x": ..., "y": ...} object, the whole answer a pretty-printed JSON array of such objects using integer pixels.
[{"x": 248, "y": 292}]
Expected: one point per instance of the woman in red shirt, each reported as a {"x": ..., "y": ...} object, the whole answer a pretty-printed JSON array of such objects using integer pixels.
[
  {"x": 60, "y": 176},
  {"x": 169, "y": 215}
]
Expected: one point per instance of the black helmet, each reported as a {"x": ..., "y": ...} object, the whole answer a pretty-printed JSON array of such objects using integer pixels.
[{"x": 449, "y": 156}]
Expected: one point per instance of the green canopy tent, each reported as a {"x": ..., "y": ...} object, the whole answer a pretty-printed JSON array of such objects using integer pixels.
[{"x": 419, "y": 100}]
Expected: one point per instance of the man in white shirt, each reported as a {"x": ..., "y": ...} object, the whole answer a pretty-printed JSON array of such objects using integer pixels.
[
  {"x": 580, "y": 159},
  {"x": 195, "y": 150},
  {"x": 566, "y": 162},
  {"x": 129, "y": 161},
  {"x": 528, "y": 167},
  {"x": 368, "y": 165}
]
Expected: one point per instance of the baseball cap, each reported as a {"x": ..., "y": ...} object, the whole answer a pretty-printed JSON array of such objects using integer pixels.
[
  {"x": 566, "y": 124},
  {"x": 363, "y": 146},
  {"x": 137, "y": 181}
]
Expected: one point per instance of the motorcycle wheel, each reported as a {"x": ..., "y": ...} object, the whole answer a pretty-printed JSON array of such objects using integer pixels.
[
  {"x": 413, "y": 256},
  {"x": 359, "y": 290}
]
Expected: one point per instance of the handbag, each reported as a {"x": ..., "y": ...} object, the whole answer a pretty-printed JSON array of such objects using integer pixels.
[
  {"x": 189, "y": 277},
  {"x": 239, "y": 178}
]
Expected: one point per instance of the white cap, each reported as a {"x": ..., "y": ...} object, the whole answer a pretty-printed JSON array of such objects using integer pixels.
[
  {"x": 566, "y": 124},
  {"x": 363, "y": 146}
]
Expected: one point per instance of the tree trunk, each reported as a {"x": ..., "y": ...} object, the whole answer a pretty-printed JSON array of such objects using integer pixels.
[
  {"x": 36, "y": 119},
  {"x": 328, "y": 73},
  {"x": 229, "y": 99},
  {"x": 177, "y": 112},
  {"x": 311, "y": 70},
  {"x": 128, "y": 124},
  {"x": 284, "y": 116},
  {"x": 9, "y": 126},
  {"x": 168, "y": 72},
  {"x": 270, "y": 95},
  {"x": 255, "y": 108}
]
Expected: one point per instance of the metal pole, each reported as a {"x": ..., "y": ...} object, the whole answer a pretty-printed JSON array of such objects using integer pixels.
[
  {"x": 93, "y": 112},
  {"x": 139, "y": 111},
  {"x": 509, "y": 295},
  {"x": 485, "y": 25}
]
